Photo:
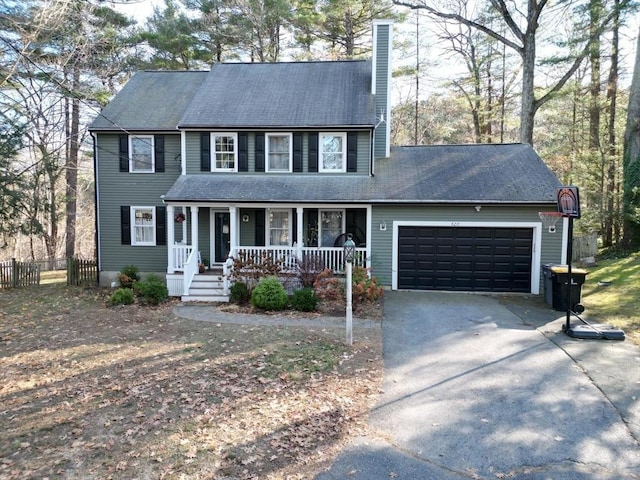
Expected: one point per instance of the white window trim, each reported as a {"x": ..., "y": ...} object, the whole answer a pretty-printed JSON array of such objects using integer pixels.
[
  {"x": 344, "y": 221},
  {"x": 321, "y": 152},
  {"x": 213, "y": 151},
  {"x": 150, "y": 139},
  {"x": 267, "y": 150},
  {"x": 268, "y": 226},
  {"x": 133, "y": 226}
]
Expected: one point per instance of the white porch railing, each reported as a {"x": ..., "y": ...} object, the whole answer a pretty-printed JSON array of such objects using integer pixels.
[
  {"x": 323, "y": 257},
  {"x": 190, "y": 269},
  {"x": 180, "y": 252}
]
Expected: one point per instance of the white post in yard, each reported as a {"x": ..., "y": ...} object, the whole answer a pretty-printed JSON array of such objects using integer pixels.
[{"x": 349, "y": 254}]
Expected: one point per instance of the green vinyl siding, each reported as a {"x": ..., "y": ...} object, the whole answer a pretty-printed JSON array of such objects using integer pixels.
[
  {"x": 382, "y": 73},
  {"x": 382, "y": 240},
  {"x": 193, "y": 155},
  {"x": 116, "y": 189}
]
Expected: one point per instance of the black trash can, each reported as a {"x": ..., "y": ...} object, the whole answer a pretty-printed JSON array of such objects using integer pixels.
[
  {"x": 559, "y": 276},
  {"x": 547, "y": 276}
]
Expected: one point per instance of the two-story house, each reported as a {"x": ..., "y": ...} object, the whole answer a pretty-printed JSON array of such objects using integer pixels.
[{"x": 285, "y": 159}]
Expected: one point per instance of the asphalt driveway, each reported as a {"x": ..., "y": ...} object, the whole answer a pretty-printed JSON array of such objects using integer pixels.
[{"x": 488, "y": 387}]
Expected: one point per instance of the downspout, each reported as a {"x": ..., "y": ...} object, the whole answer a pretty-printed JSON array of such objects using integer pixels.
[{"x": 96, "y": 196}]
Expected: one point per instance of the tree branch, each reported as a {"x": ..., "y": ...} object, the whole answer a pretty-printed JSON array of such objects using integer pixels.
[{"x": 459, "y": 18}]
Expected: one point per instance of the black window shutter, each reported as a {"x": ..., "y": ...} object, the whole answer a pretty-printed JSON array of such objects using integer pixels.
[
  {"x": 294, "y": 226},
  {"x": 260, "y": 227},
  {"x": 352, "y": 152},
  {"x": 297, "y": 152},
  {"x": 161, "y": 225},
  {"x": 243, "y": 152},
  {"x": 205, "y": 152},
  {"x": 313, "y": 152},
  {"x": 158, "y": 141},
  {"x": 125, "y": 225},
  {"x": 123, "y": 150},
  {"x": 260, "y": 152}
]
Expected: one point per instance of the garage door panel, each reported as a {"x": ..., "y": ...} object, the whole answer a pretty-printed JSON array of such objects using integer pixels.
[{"x": 465, "y": 258}]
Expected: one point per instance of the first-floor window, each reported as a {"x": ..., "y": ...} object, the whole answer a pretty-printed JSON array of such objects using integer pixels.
[
  {"x": 141, "y": 156},
  {"x": 143, "y": 226},
  {"x": 331, "y": 226},
  {"x": 279, "y": 233}
]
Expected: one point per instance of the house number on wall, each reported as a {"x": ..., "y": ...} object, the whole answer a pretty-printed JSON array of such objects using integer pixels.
[{"x": 455, "y": 224}]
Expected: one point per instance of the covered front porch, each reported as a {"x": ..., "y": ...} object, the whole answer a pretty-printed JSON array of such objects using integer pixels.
[{"x": 212, "y": 235}]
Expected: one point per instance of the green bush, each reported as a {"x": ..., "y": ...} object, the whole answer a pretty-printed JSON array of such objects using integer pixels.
[
  {"x": 269, "y": 294},
  {"x": 153, "y": 291},
  {"x": 239, "y": 293},
  {"x": 128, "y": 276},
  {"x": 121, "y": 296},
  {"x": 304, "y": 300}
]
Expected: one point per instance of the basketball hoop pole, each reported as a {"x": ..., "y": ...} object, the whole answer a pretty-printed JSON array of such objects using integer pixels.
[{"x": 570, "y": 279}]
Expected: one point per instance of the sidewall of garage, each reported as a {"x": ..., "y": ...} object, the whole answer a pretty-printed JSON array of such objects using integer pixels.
[{"x": 385, "y": 221}]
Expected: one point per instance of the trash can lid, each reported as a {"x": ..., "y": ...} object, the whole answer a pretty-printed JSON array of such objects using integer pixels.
[{"x": 565, "y": 269}]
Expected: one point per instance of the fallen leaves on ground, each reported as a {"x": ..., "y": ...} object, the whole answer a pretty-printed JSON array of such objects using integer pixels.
[{"x": 91, "y": 392}]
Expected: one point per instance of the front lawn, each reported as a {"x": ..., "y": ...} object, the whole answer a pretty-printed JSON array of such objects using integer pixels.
[
  {"x": 92, "y": 392},
  {"x": 611, "y": 294}
]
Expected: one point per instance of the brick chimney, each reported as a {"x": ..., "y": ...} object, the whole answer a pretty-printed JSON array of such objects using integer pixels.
[{"x": 381, "y": 85}]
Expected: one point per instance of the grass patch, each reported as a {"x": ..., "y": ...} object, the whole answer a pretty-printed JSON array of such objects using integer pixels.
[
  {"x": 617, "y": 303},
  {"x": 90, "y": 391}
]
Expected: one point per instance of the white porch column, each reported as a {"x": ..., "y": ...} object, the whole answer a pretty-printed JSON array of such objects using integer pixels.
[
  {"x": 369, "y": 237},
  {"x": 234, "y": 238},
  {"x": 300, "y": 232},
  {"x": 171, "y": 240},
  {"x": 194, "y": 229}
]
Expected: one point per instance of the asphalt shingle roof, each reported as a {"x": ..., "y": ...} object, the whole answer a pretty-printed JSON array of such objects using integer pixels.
[
  {"x": 151, "y": 100},
  {"x": 298, "y": 94},
  {"x": 511, "y": 173}
]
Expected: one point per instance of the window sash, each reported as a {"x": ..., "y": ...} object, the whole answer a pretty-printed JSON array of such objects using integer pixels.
[
  {"x": 333, "y": 152},
  {"x": 143, "y": 226},
  {"x": 225, "y": 152},
  {"x": 331, "y": 226},
  {"x": 279, "y": 152},
  {"x": 279, "y": 233},
  {"x": 141, "y": 156}
]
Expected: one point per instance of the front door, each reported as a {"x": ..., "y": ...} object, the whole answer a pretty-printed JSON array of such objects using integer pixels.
[{"x": 222, "y": 236}]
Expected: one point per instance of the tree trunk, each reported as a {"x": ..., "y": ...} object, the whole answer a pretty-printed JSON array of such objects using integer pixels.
[
  {"x": 612, "y": 93},
  {"x": 72, "y": 169},
  {"x": 631, "y": 161},
  {"x": 528, "y": 101}
]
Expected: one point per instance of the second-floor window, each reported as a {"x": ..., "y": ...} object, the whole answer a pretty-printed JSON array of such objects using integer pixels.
[
  {"x": 141, "y": 154},
  {"x": 143, "y": 226},
  {"x": 279, "y": 153},
  {"x": 333, "y": 152},
  {"x": 225, "y": 152}
]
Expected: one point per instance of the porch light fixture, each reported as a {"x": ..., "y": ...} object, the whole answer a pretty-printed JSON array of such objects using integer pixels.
[
  {"x": 245, "y": 218},
  {"x": 349, "y": 254},
  {"x": 478, "y": 208},
  {"x": 349, "y": 249},
  {"x": 383, "y": 226}
]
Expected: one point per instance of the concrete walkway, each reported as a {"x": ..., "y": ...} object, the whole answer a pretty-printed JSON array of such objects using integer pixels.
[{"x": 481, "y": 387}]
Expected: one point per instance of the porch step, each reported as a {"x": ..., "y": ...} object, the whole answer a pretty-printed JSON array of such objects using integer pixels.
[{"x": 206, "y": 287}]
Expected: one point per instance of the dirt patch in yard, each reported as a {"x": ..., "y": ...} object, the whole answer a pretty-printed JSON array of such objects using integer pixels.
[{"x": 95, "y": 392}]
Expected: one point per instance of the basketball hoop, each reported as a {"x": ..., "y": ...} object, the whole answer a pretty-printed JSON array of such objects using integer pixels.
[{"x": 550, "y": 219}]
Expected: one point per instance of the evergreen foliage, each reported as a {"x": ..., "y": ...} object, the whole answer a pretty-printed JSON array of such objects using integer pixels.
[{"x": 269, "y": 294}]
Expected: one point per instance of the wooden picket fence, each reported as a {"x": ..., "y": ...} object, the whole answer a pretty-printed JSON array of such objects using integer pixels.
[
  {"x": 81, "y": 272},
  {"x": 15, "y": 274}
]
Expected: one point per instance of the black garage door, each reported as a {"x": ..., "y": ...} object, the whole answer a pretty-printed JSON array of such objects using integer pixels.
[{"x": 465, "y": 258}]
